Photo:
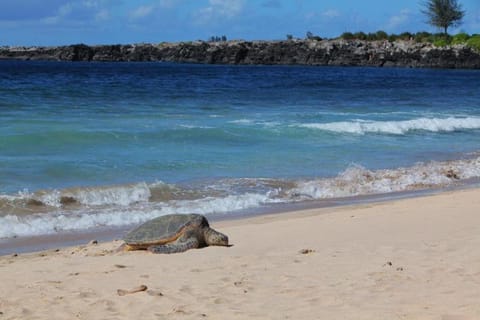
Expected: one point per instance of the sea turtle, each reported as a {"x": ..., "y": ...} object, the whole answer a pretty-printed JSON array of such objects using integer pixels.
[{"x": 174, "y": 233}]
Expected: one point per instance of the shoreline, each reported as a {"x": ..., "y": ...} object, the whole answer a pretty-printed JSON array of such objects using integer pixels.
[
  {"x": 332, "y": 52},
  {"x": 39, "y": 243},
  {"x": 413, "y": 258}
]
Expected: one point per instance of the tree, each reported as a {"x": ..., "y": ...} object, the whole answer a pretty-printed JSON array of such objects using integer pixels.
[
  {"x": 443, "y": 13},
  {"x": 217, "y": 39},
  {"x": 381, "y": 35},
  {"x": 311, "y": 36}
]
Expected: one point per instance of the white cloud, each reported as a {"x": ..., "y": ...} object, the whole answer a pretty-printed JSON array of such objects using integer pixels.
[
  {"x": 102, "y": 15},
  {"x": 227, "y": 8},
  {"x": 65, "y": 10},
  {"x": 219, "y": 9},
  {"x": 91, "y": 3},
  {"x": 142, "y": 12},
  {"x": 331, "y": 13},
  {"x": 28, "y": 10},
  {"x": 62, "y": 12},
  {"x": 169, "y": 3},
  {"x": 158, "y": 6},
  {"x": 327, "y": 15},
  {"x": 80, "y": 12},
  {"x": 399, "y": 20},
  {"x": 273, "y": 4}
]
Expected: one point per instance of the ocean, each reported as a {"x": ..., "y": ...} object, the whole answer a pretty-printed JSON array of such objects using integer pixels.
[{"x": 86, "y": 147}]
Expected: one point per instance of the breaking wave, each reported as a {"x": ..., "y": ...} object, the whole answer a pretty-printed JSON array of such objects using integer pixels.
[
  {"x": 64, "y": 220},
  {"x": 398, "y": 127},
  {"x": 48, "y": 212}
]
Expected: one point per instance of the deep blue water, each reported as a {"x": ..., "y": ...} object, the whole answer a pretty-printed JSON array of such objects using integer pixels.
[{"x": 143, "y": 127}]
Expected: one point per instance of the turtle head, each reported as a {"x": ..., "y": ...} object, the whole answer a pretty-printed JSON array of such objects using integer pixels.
[{"x": 215, "y": 238}]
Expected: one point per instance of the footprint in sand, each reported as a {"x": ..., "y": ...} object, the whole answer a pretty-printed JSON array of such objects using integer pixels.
[
  {"x": 154, "y": 293},
  {"x": 185, "y": 289},
  {"x": 180, "y": 310},
  {"x": 86, "y": 294},
  {"x": 241, "y": 284}
]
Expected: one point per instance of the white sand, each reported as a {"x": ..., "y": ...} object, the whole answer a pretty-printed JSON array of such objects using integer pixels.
[{"x": 408, "y": 259}]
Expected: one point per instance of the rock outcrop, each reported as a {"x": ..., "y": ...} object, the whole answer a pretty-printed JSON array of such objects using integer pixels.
[{"x": 300, "y": 52}]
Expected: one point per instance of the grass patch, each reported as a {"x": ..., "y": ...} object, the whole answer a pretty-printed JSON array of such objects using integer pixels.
[{"x": 474, "y": 42}]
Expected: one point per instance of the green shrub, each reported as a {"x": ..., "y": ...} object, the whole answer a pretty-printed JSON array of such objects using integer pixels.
[
  {"x": 474, "y": 42},
  {"x": 381, "y": 35},
  {"x": 392, "y": 37},
  {"x": 441, "y": 39},
  {"x": 460, "y": 38},
  {"x": 440, "y": 43},
  {"x": 423, "y": 37},
  {"x": 444, "y": 36},
  {"x": 360, "y": 35},
  {"x": 377, "y": 36},
  {"x": 371, "y": 36},
  {"x": 405, "y": 36},
  {"x": 347, "y": 36}
]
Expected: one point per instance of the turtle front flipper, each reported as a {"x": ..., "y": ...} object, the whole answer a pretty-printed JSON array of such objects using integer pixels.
[{"x": 181, "y": 245}]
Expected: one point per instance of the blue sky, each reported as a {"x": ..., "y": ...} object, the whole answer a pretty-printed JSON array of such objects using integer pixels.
[{"x": 57, "y": 22}]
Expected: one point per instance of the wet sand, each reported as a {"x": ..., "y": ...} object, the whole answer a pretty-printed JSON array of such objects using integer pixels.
[{"x": 414, "y": 258}]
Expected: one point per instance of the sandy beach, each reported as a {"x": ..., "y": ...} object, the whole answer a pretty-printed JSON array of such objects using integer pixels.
[{"x": 414, "y": 258}]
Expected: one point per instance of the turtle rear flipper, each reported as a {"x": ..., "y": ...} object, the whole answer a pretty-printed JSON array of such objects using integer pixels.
[{"x": 175, "y": 247}]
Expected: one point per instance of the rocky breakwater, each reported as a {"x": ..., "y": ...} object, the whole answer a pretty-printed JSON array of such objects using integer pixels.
[{"x": 301, "y": 52}]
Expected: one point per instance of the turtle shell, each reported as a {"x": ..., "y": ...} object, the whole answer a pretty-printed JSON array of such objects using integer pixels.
[{"x": 162, "y": 230}]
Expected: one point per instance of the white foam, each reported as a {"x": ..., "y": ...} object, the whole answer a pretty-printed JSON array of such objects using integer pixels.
[
  {"x": 356, "y": 180},
  {"x": 51, "y": 223},
  {"x": 249, "y": 122},
  {"x": 117, "y": 195},
  {"x": 20, "y": 195},
  {"x": 191, "y": 126},
  {"x": 242, "y": 121},
  {"x": 122, "y": 195},
  {"x": 398, "y": 127},
  {"x": 127, "y": 205},
  {"x": 51, "y": 198},
  {"x": 61, "y": 221},
  {"x": 226, "y": 204}
]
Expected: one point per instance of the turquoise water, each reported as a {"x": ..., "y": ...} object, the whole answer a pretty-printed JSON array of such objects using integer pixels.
[{"x": 93, "y": 145}]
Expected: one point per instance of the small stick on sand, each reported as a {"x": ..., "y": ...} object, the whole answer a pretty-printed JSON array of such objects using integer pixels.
[
  {"x": 306, "y": 251},
  {"x": 122, "y": 292}
]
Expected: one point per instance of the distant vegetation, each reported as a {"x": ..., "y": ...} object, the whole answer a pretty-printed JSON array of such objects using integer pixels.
[
  {"x": 311, "y": 36},
  {"x": 217, "y": 39},
  {"x": 443, "y": 13},
  {"x": 437, "y": 39},
  {"x": 440, "y": 13},
  {"x": 308, "y": 36}
]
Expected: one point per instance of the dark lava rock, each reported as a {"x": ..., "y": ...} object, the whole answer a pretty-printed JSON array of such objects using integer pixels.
[{"x": 336, "y": 52}]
